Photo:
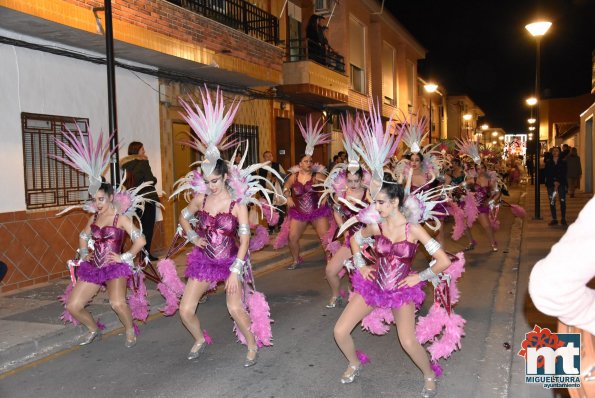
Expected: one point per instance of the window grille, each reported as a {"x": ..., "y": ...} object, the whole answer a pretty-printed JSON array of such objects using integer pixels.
[
  {"x": 48, "y": 182},
  {"x": 244, "y": 134}
]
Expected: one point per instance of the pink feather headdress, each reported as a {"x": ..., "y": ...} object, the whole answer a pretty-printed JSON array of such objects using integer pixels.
[
  {"x": 209, "y": 125},
  {"x": 350, "y": 138},
  {"x": 85, "y": 155},
  {"x": 376, "y": 144},
  {"x": 469, "y": 148},
  {"x": 414, "y": 132},
  {"x": 313, "y": 134}
]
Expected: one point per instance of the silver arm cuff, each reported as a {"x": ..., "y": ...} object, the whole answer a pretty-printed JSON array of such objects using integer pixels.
[
  {"x": 191, "y": 235},
  {"x": 83, "y": 252},
  {"x": 237, "y": 267},
  {"x": 360, "y": 240},
  {"x": 85, "y": 236},
  {"x": 428, "y": 275},
  {"x": 432, "y": 246},
  {"x": 127, "y": 258},
  {"x": 243, "y": 229},
  {"x": 358, "y": 260},
  {"x": 135, "y": 234},
  {"x": 187, "y": 214},
  {"x": 337, "y": 207}
]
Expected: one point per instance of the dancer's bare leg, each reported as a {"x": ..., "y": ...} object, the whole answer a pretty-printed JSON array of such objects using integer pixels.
[
  {"x": 192, "y": 293},
  {"x": 296, "y": 230},
  {"x": 355, "y": 311},
  {"x": 405, "y": 320},
  {"x": 116, "y": 290},
  {"x": 487, "y": 226},
  {"x": 333, "y": 268},
  {"x": 82, "y": 293},
  {"x": 242, "y": 319}
]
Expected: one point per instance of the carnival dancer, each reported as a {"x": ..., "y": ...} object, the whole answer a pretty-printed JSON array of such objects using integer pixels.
[
  {"x": 390, "y": 242},
  {"x": 213, "y": 219},
  {"x": 348, "y": 181},
  {"x": 302, "y": 202},
  {"x": 102, "y": 262},
  {"x": 461, "y": 200}
]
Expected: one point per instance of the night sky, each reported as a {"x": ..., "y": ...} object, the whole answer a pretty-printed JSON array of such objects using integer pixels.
[{"x": 481, "y": 48}]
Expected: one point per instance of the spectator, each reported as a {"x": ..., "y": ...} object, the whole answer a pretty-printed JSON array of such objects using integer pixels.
[
  {"x": 3, "y": 270},
  {"x": 556, "y": 183},
  {"x": 138, "y": 170},
  {"x": 335, "y": 162},
  {"x": 316, "y": 39},
  {"x": 573, "y": 171},
  {"x": 565, "y": 151}
]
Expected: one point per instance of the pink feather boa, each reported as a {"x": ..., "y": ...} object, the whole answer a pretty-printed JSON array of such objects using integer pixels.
[
  {"x": 137, "y": 299},
  {"x": 378, "y": 321},
  {"x": 283, "y": 236},
  {"x": 459, "y": 220},
  {"x": 327, "y": 239},
  {"x": 171, "y": 287},
  {"x": 63, "y": 298},
  {"x": 443, "y": 330},
  {"x": 518, "y": 211},
  {"x": 260, "y": 239},
  {"x": 362, "y": 357},
  {"x": 260, "y": 316},
  {"x": 471, "y": 210}
]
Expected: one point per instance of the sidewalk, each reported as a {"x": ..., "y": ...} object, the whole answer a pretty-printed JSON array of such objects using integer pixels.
[
  {"x": 30, "y": 325},
  {"x": 537, "y": 240}
]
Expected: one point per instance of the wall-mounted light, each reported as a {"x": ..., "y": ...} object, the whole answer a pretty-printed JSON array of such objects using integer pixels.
[{"x": 531, "y": 120}]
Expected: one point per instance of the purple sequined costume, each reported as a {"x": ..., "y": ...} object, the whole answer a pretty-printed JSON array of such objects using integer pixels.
[
  {"x": 392, "y": 263},
  {"x": 106, "y": 239},
  {"x": 482, "y": 197},
  {"x": 305, "y": 199},
  {"x": 346, "y": 214},
  {"x": 211, "y": 264}
]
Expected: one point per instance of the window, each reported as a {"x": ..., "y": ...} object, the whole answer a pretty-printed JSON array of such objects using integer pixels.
[
  {"x": 48, "y": 182},
  {"x": 410, "y": 84},
  {"x": 357, "y": 55},
  {"x": 388, "y": 73},
  {"x": 244, "y": 135}
]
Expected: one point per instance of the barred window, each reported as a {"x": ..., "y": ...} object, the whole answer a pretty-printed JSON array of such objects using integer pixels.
[
  {"x": 48, "y": 182},
  {"x": 244, "y": 134}
]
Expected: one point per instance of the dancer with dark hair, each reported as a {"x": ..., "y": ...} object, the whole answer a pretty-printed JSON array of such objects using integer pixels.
[
  {"x": 216, "y": 215},
  {"x": 302, "y": 197}
]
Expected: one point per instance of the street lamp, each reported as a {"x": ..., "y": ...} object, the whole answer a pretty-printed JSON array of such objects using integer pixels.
[
  {"x": 531, "y": 120},
  {"x": 467, "y": 117},
  {"x": 537, "y": 30},
  {"x": 430, "y": 89}
]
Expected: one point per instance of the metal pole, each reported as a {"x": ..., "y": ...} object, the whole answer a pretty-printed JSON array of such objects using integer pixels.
[
  {"x": 430, "y": 140},
  {"x": 537, "y": 215},
  {"x": 111, "y": 94}
]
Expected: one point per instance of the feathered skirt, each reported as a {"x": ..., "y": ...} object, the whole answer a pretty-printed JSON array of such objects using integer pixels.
[
  {"x": 88, "y": 272},
  {"x": 375, "y": 296},
  {"x": 322, "y": 211},
  {"x": 204, "y": 268}
]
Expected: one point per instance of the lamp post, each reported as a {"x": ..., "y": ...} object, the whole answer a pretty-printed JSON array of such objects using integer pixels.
[
  {"x": 430, "y": 89},
  {"x": 467, "y": 117},
  {"x": 537, "y": 30}
]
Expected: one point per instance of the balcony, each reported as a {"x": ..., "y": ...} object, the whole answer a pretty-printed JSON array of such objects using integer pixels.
[
  {"x": 314, "y": 76},
  {"x": 237, "y": 14}
]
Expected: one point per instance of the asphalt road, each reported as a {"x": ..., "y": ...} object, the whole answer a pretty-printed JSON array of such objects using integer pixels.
[{"x": 304, "y": 361}]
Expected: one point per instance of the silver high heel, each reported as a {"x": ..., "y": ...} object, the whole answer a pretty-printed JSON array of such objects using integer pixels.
[
  {"x": 349, "y": 378},
  {"x": 90, "y": 337},
  {"x": 336, "y": 301},
  {"x": 193, "y": 354},
  {"x": 426, "y": 392},
  {"x": 130, "y": 339},
  {"x": 251, "y": 362}
]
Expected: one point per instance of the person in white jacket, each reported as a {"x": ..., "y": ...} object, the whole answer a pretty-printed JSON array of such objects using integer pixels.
[{"x": 558, "y": 283}]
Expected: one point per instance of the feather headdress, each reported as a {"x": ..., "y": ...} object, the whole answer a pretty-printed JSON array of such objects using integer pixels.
[
  {"x": 245, "y": 183},
  {"x": 349, "y": 126},
  {"x": 376, "y": 145},
  {"x": 85, "y": 155},
  {"x": 209, "y": 125},
  {"x": 469, "y": 148},
  {"x": 128, "y": 201},
  {"x": 414, "y": 132},
  {"x": 419, "y": 206},
  {"x": 313, "y": 134}
]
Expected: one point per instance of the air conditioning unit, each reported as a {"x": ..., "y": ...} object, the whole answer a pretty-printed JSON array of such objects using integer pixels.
[{"x": 323, "y": 7}]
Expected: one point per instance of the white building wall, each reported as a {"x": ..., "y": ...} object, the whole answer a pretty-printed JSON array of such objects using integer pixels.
[{"x": 37, "y": 82}]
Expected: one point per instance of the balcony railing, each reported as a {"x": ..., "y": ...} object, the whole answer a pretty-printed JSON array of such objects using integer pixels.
[
  {"x": 303, "y": 49},
  {"x": 237, "y": 14}
]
